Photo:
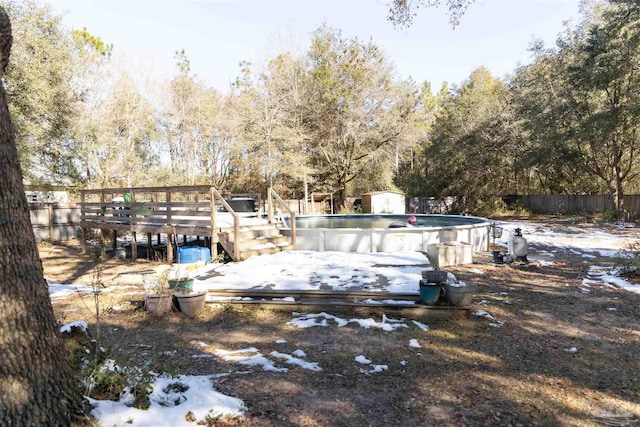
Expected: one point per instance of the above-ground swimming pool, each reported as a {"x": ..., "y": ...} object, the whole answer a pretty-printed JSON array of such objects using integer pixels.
[{"x": 372, "y": 233}]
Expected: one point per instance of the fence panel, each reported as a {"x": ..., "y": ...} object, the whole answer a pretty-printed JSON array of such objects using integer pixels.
[
  {"x": 539, "y": 204},
  {"x": 565, "y": 204},
  {"x": 55, "y": 222},
  {"x": 431, "y": 205}
]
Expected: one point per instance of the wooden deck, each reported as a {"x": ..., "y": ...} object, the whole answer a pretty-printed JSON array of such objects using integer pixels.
[
  {"x": 172, "y": 211},
  {"x": 359, "y": 302}
]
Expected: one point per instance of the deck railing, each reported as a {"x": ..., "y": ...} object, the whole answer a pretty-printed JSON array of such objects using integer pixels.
[
  {"x": 236, "y": 222},
  {"x": 180, "y": 210},
  {"x": 172, "y": 210},
  {"x": 271, "y": 196}
]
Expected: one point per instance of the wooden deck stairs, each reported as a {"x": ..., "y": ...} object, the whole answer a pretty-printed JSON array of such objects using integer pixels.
[{"x": 254, "y": 240}]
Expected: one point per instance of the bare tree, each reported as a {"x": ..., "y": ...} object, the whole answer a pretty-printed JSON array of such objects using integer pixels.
[{"x": 402, "y": 12}]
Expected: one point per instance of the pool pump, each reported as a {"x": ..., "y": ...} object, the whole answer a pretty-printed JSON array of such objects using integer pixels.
[{"x": 518, "y": 248}]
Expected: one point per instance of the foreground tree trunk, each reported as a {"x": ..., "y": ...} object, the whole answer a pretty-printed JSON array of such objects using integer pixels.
[{"x": 37, "y": 386}]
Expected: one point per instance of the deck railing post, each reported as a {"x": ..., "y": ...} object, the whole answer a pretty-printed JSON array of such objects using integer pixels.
[
  {"x": 236, "y": 237},
  {"x": 103, "y": 212},
  {"x": 292, "y": 216},
  {"x": 132, "y": 209},
  {"x": 169, "y": 225},
  {"x": 293, "y": 230},
  {"x": 50, "y": 220},
  {"x": 270, "y": 207},
  {"x": 82, "y": 219},
  {"x": 236, "y": 225},
  {"x": 214, "y": 232},
  {"x": 132, "y": 221}
]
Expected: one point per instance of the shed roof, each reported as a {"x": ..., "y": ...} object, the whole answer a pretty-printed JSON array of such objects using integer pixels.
[{"x": 373, "y": 193}]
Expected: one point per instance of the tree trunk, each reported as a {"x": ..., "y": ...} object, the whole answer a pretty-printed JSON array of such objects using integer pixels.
[
  {"x": 616, "y": 197},
  {"x": 37, "y": 386},
  {"x": 342, "y": 194},
  {"x": 619, "y": 199}
]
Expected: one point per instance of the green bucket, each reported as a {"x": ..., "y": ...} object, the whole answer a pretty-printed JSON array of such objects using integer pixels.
[{"x": 429, "y": 292}]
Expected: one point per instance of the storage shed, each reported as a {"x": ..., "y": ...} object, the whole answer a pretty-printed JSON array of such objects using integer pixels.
[
  {"x": 383, "y": 202},
  {"x": 47, "y": 193}
]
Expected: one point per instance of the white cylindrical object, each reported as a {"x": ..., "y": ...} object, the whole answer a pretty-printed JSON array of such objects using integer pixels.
[
  {"x": 520, "y": 246},
  {"x": 510, "y": 244},
  {"x": 517, "y": 245}
]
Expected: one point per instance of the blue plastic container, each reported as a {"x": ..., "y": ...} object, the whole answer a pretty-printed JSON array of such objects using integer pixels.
[
  {"x": 430, "y": 292},
  {"x": 190, "y": 254},
  {"x": 205, "y": 255}
]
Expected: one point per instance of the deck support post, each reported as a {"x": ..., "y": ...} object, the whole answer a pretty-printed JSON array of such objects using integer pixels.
[
  {"x": 134, "y": 246},
  {"x": 149, "y": 246},
  {"x": 169, "y": 249},
  {"x": 114, "y": 244},
  {"x": 83, "y": 237}
]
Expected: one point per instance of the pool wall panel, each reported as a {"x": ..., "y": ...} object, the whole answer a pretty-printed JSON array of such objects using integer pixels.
[{"x": 389, "y": 240}]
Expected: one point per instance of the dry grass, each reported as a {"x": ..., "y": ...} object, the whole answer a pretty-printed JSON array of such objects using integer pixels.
[{"x": 466, "y": 373}]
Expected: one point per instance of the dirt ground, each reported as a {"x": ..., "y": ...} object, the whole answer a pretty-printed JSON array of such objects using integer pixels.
[{"x": 467, "y": 373}]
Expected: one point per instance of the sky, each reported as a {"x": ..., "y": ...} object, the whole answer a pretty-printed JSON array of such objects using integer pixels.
[
  {"x": 218, "y": 34},
  {"x": 295, "y": 270}
]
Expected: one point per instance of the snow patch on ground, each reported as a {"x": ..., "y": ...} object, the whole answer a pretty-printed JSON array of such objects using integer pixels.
[
  {"x": 362, "y": 359},
  {"x": 171, "y": 399},
  {"x": 609, "y": 277},
  {"x": 321, "y": 319},
  {"x": 252, "y": 357},
  {"x": 308, "y": 270},
  {"x": 59, "y": 291},
  {"x": 421, "y": 325},
  {"x": 77, "y": 324}
]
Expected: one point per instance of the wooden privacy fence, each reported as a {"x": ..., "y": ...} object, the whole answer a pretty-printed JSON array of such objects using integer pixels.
[
  {"x": 540, "y": 204},
  {"x": 566, "y": 204},
  {"x": 54, "y": 222},
  {"x": 434, "y": 205}
]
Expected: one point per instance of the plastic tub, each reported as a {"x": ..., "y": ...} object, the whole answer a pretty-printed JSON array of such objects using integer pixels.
[
  {"x": 460, "y": 294},
  {"x": 434, "y": 276}
]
